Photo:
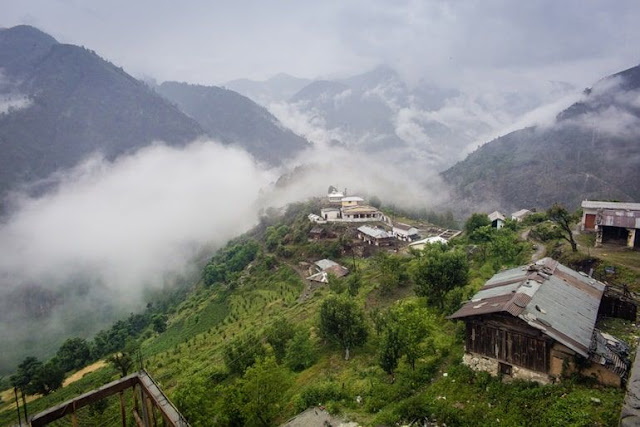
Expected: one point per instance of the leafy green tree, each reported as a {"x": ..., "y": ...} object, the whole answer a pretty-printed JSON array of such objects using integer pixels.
[
  {"x": 390, "y": 350},
  {"x": 565, "y": 220},
  {"x": 74, "y": 353},
  {"x": 47, "y": 379},
  {"x": 354, "y": 282},
  {"x": 193, "y": 400},
  {"x": 263, "y": 385},
  {"x": 278, "y": 334},
  {"x": 411, "y": 320},
  {"x": 438, "y": 271},
  {"x": 343, "y": 321},
  {"x": 301, "y": 353},
  {"x": 159, "y": 323},
  {"x": 26, "y": 372},
  {"x": 124, "y": 359},
  {"x": 506, "y": 247},
  {"x": 476, "y": 221},
  {"x": 391, "y": 270},
  {"x": 214, "y": 273},
  {"x": 242, "y": 352}
]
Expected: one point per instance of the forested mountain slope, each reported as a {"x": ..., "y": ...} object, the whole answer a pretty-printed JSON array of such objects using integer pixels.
[
  {"x": 236, "y": 119},
  {"x": 76, "y": 103},
  {"x": 591, "y": 151}
]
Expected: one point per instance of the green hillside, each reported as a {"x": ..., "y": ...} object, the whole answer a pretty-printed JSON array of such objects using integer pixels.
[{"x": 248, "y": 345}]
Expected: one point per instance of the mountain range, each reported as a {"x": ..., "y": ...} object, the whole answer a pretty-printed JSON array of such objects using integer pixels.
[
  {"x": 60, "y": 103},
  {"x": 590, "y": 151}
]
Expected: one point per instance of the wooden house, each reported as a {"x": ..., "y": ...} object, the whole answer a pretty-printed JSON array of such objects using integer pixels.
[{"x": 537, "y": 323}]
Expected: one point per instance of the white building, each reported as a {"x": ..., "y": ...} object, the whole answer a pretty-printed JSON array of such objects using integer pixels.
[
  {"x": 421, "y": 244},
  {"x": 331, "y": 214},
  {"x": 335, "y": 197},
  {"x": 374, "y": 236}
]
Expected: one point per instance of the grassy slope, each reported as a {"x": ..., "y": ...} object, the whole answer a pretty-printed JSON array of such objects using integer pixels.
[{"x": 191, "y": 348}]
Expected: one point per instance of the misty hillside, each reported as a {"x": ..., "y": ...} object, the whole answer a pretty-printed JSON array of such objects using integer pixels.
[
  {"x": 78, "y": 104},
  {"x": 592, "y": 151},
  {"x": 420, "y": 126},
  {"x": 275, "y": 89},
  {"x": 236, "y": 119}
]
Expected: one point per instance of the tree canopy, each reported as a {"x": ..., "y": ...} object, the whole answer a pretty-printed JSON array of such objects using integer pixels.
[
  {"x": 438, "y": 271},
  {"x": 343, "y": 321}
]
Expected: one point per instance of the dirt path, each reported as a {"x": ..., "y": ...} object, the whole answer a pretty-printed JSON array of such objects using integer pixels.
[
  {"x": 84, "y": 371},
  {"x": 541, "y": 250}
]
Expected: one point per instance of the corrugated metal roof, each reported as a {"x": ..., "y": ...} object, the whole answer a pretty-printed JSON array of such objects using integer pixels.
[
  {"x": 618, "y": 218},
  {"x": 520, "y": 213},
  {"x": 592, "y": 204},
  {"x": 352, "y": 199},
  {"x": 323, "y": 264},
  {"x": 377, "y": 233},
  {"x": 559, "y": 301}
]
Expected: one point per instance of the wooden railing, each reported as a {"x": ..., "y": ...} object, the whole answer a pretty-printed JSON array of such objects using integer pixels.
[{"x": 150, "y": 407}]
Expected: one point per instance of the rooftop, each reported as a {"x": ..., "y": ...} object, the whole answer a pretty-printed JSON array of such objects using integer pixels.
[
  {"x": 593, "y": 204},
  {"x": 377, "y": 233},
  {"x": 521, "y": 212},
  {"x": 548, "y": 296},
  {"x": 402, "y": 226},
  {"x": 495, "y": 215},
  {"x": 352, "y": 199}
]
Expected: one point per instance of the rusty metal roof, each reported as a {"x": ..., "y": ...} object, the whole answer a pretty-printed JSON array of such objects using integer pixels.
[
  {"x": 618, "y": 218},
  {"x": 555, "y": 299},
  {"x": 593, "y": 204}
]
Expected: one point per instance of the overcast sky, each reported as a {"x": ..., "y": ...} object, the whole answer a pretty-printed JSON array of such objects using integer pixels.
[{"x": 455, "y": 42}]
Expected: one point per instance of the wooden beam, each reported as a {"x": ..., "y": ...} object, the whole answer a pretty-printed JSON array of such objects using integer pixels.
[
  {"x": 66, "y": 408},
  {"x": 123, "y": 410}
]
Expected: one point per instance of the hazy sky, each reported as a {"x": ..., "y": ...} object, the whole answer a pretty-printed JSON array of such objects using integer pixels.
[{"x": 455, "y": 42}]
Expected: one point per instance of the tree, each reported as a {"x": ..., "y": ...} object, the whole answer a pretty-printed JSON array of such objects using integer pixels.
[
  {"x": 558, "y": 214},
  {"x": 159, "y": 322},
  {"x": 341, "y": 320},
  {"x": 125, "y": 359},
  {"x": 413, "y": 329},
  {"x": 26, "y": 372},
  {"x": 391, "y": 348},
  {"x": 74, "y": 353},
  {"x": 392, "y": 272},
  {"x": 438, "y": 271},
  {"x": 353, "y": 282},
  {"x": 242, "y": 352},
  {"x": 47, "y": 379},
  {"x": 476, "y": 221},
  {"x": 278, "y": 335},
  {"x": 301, "y": 352},
  {"x": 262, "y": 387}
]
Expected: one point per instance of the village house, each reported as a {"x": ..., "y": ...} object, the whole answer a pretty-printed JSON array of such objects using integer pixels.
[
  {"x": 520, "y": 215},
  {"x": 351, "y": 201},
  {"x": 612, "y": 222},
  {"x": 374, "y": 236},
  {"x": 361, "y": 213},
  {"x": 321, "y": 270},
  {"x": 421, "y": 244},
  {"x": 331, "y": 214},
  {"x": 497, "y": 219},
  {"x": 318, "y": 233},
  {"x": 316, "y": 218},
  {"x": 405, "y": 232},
  {"x": 335, "y": 197},
  {"x": 537, "y": 323}
]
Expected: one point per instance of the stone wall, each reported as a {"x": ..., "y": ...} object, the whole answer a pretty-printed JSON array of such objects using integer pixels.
[{"x": 492, "y": 366}]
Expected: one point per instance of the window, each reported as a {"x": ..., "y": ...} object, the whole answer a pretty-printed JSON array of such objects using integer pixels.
[{"x": 504, "y": 368}]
